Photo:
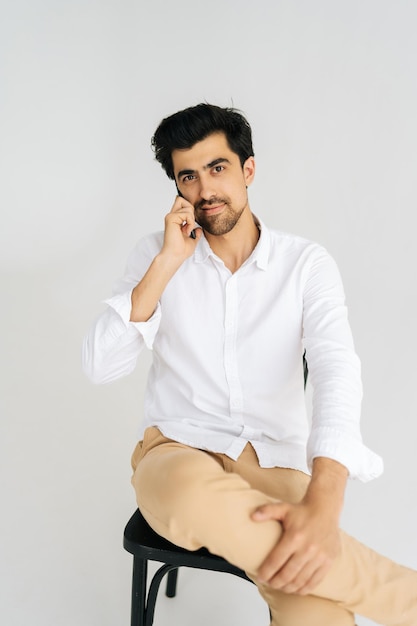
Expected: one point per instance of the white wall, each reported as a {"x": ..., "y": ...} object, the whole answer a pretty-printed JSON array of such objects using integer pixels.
[{"x": 330, "y": 89}]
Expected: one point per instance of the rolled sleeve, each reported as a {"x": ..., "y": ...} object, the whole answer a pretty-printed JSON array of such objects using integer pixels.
[
  {"x": 360, "y": 461},
  {"x": 122, "y": 304},
  {"x": 111, "y": 348}
]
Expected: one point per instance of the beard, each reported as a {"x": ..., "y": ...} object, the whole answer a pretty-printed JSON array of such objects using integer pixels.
[{"x": 217, "y": 224}]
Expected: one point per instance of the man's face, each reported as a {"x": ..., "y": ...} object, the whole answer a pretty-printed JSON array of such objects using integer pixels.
[{"x": 209, "y": 175}]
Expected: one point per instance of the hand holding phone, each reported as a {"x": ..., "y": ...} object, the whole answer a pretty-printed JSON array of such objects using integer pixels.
[{"x": 181, "y": 231}]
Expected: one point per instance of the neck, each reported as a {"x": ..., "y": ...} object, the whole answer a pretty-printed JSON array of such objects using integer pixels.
[{"x": 237, "y": 245}]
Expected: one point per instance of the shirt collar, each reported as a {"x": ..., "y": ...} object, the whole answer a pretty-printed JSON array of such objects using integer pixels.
[
  {"x": 260, "y": 254},
  {"x": 262, "y": 249}
]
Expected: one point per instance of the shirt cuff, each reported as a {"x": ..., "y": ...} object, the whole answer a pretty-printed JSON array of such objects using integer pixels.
[
  {"x": 361, "y": 462},
  {"x": 122, "y": 304}
]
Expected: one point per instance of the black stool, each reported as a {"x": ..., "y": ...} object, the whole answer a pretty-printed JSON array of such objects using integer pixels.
[{"x": 140, "y": 540}]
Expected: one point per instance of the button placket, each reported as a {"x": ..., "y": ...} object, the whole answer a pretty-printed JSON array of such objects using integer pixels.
[{"x": 230, "y": 348}]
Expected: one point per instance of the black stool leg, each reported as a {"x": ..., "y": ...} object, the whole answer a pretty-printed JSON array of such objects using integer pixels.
[
  {"x": 153, "y": 592},
  {"x": 138, "y": 608},
  {"x": 171, "y": 589}
]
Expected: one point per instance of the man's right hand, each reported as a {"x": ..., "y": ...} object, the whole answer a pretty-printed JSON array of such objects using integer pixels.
[
  {"x": 179, "y": 223},
  {"x": 177, "y": 247}
]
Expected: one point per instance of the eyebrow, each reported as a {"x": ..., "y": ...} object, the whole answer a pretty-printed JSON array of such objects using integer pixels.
[{"x": 205, "y": 167}]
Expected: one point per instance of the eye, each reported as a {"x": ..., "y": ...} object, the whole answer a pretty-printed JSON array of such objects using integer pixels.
[
  {"x": 188, "y": 178},
  {"x": 218, "y": 168}
]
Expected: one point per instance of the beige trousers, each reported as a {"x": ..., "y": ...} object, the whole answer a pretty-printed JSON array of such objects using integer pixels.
[{"x": 195, "y": 498}]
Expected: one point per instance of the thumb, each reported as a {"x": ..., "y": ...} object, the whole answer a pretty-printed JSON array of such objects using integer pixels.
[
  {"x": 198, "y": 233},
  {"x": 275, "y": 511}
]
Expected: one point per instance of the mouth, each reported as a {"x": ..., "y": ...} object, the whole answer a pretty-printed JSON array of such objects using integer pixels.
[{"x": 212, "y": 209}]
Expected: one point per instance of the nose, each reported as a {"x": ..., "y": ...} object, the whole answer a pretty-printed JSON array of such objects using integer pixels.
[{"x": 206, "y": 190}]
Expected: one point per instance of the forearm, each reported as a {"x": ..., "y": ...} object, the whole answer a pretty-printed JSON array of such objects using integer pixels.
[
  {"x": 148, "y": 291},
  {"x": 327, "y": 487}
]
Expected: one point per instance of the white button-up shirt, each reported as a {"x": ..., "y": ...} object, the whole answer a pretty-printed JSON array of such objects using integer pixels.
[{"x": 227, "y": 354}]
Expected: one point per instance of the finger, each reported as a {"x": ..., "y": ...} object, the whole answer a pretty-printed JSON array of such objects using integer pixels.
[
  {"x": 182, "y": 219},
  {"x": 275, "y": 561},
  {"x": 314, "y": 580},
  {"x": 270, "y": 511},
  {"x": 181, "y": 212},
  {"x": 181, "y": 203},
  {"x": 182, "y": 209},
  {"x": 309, "y": 576},
  {"x": 190, "y": 229},
  {"x": 290, "y": 577},
  {"x": 298, "y": 575}
]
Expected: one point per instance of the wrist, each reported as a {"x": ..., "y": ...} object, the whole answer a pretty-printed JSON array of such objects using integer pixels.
[
  {"x": 168, "y": 263},
  {"x": 327, "y": 488},
  {"x": 146, "y": 294}
]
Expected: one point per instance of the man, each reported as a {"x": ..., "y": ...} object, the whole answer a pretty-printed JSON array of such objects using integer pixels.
[{"x": 228, "y": 308}]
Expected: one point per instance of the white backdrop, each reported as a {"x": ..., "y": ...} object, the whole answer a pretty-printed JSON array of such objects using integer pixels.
[{"x": 330, "y": 89}]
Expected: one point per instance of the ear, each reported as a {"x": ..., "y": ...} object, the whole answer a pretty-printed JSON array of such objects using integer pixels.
[{"x": 249, "y": 170}]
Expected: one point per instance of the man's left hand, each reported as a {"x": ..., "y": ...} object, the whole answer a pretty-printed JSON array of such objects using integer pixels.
[{"x": 306, "y": 550}]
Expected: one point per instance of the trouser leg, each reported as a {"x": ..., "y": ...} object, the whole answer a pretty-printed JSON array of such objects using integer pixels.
[
  {"x": 292, "y": 610},
  {"x": 372, "y": 585},
  {"x": 187, "y": 496},
  {"x": 192, "y": 499},
  {"x": 360, "y": 580}
]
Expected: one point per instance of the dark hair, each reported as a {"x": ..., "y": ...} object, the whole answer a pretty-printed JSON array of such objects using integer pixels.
[{"x": 185, "y": 128}]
